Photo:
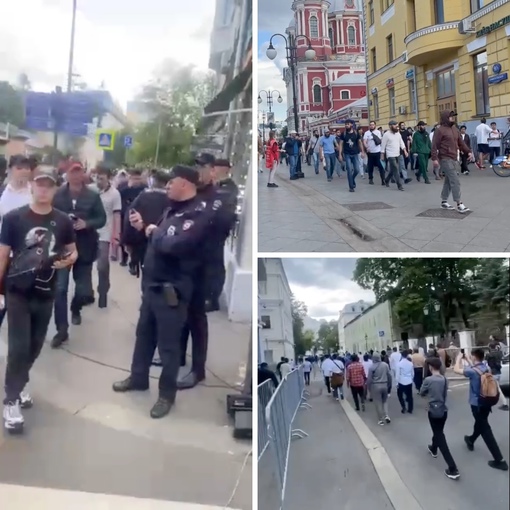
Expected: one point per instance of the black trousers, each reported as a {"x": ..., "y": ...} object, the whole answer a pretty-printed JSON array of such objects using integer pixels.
[
  {"x": 307, "y": 378},
  {"x": 358, "y": 393},
  {"x": 418, "y": 377},
  {"x": 439, "y": 440},
  {"x": 327, "y": 382},
  {"x": 405, "y": 391},
  {"x": 483, "y": 428},
  {"x": 373, "y": 161},
  {"x": 464, "y": 163},
  {"x": 196, "y": 325},
  {"x": 159, "y": 325},
  {"x": 28, "y": 318}
]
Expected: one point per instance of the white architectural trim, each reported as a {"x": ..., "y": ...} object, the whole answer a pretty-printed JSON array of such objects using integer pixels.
[
  {"x": 507, "y": 30},
  {"x": 338, "y": 39},
  {"x": 313, "y": 15},
  {"x": 485, "y": 10},
  {"x": 477, "y": 44},
  {"x": 387, "y": 14},
  {"x": 348, "y": 92},
  {"x": 353, "y": 26}
]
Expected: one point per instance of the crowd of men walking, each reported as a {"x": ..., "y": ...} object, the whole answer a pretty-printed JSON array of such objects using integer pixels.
[{"x": 170, "y": 228}]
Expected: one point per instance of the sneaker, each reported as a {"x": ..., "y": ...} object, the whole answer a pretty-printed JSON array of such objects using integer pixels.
[
  {"x": 431, "y": 451},
  {"x": 452, "y": 474},
  {"x": 59, "y": 339},
  {"x": 25, "y": 400},
  {"x": 13, "y": 419},
  {"x": 469, "y": 443},
  {"x": 446, "y": 205},
  {"x": 381, "y": 423},
  {"x": 501, "y": 465},
  {"x": 462, "y": 208},
  {"x": 387, "y": 419}
]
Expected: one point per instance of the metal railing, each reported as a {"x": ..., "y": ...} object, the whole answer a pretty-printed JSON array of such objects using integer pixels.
[
  {"x": 280, "y": 413},
  {"x": 265, "y": 392}
]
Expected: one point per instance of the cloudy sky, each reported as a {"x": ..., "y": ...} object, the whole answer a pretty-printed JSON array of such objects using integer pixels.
[
  {"x": 119, "y": 42},
  {"x": 274, "y": 17},
  {"x": 324, "y": 285}
]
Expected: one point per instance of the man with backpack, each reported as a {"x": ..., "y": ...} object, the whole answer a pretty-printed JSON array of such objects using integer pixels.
[
  {"x": 372, "y": 142},
  {"x": 483, "y": 395}
]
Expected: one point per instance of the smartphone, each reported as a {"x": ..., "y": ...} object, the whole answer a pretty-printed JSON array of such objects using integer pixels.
[{"x": 73, "y": 217}]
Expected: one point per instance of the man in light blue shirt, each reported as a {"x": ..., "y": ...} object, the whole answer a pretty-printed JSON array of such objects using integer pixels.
[
  {"x": 404, "y": 372},
  {"x": 327, "y": 148}
]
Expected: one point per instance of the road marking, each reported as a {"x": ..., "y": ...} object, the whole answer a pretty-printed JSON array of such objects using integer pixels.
[
  {"x": 397, "y": 491},
  {"x": 19, "y": 497}
]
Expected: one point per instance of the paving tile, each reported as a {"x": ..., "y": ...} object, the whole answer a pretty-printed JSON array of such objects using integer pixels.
[
  {"x": 442, "y": 247},
  {"x": 453, "y": 236},
  {"x": 335, "y": 248},
  {"x": 417, "y": 244},
  {"x": 328, "y": 236},
  {"x": 304, "y": 246}
]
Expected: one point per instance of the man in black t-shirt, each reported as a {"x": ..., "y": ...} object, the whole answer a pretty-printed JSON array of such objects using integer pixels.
[
  {"x": 351, "y": 146},
  {"x": 35, "y": 241}
]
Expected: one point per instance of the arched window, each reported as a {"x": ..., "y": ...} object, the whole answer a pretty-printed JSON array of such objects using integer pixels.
[
  {"x": 345, "y": 94},
  {"x": 317, "y": 93},
  {"x": 314, "y": 27},
  {"x": 331, "y": 36},
  {"x": 351, "y": 36}
]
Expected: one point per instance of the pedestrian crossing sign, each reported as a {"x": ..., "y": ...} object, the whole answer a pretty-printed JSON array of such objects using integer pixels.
[{"x": 105, "y": 140}]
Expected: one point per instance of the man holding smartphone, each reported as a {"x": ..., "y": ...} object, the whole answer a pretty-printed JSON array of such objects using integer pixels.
[{"x": 41, "y": 240}]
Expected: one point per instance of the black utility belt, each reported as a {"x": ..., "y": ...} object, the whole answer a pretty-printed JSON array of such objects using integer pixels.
[{"x": 169, "y": 292}]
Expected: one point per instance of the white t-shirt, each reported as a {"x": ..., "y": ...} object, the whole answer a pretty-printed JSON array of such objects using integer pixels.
[
  {"x": 14, "y": 199},
  {"x": 307, "y": 366},
  {"x": 392, "y": 143},
  {"x": 482, "y": 133},
  {"x": 330, "y": 366},
  {"x": 112, "y": 203},
  {"x": 285, "y": 369},
  {"x": 367, "y": 365},
  {"x": 395, "y": 357},
  {"x": 371, "y": 146},
  {"x": 497, "y": 135}
]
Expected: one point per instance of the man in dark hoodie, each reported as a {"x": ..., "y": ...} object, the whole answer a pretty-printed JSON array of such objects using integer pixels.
[{"x": 445, "y": 146}]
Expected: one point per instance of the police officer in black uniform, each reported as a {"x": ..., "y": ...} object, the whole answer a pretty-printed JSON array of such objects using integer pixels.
[
  {"x": 173, "y": 256},
  {"x": 219, "y": 229}
]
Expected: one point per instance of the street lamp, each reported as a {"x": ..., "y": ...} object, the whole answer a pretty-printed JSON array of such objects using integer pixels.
[
  {"x": 269, "y": 98},
  {"x": 291, "y": 54},
  {"x": 437, "y": 307}
]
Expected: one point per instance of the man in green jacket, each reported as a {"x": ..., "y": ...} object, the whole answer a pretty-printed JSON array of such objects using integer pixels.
[{"x": 422, "y": 147}]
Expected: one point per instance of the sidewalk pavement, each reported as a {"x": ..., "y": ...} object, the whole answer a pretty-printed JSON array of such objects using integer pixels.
[
  {"x": 93, "y": 440},
  {"x": 312, "y": 215},
  {"x": 406, "y": 438}
]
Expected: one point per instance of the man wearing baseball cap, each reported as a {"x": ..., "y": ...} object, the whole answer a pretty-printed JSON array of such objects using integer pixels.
[
  {"x": 293, "y": 149},
  {"x": 41, "y": 240},
  {"x": 422, "y": 146}
]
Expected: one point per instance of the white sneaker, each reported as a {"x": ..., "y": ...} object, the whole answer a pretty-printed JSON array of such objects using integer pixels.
[
  {"x": 462, "y": 208},
  {"x": 13, "y": 419},
  {"x": 446, "y": 205},
  {"x": 26, "y": 401}
]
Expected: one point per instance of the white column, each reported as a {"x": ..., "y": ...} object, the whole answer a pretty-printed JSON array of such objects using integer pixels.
[
  {"x": 338, "y": 40},
  {"x": 300, "y": 22},
  {"x": 325, "y": 24},
  {"x": 306, "y": 99},
  {"x": 244, "y": 251}
]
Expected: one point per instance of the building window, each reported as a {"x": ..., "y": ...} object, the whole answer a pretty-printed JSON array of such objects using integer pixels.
[
  {"x": 389, "y": 46},
  {"x": 375, "y": 102},
  {"x": 371, "y": 13},
  {"x": 345, "y": 94},
  {"x": 412, "y": 95},
  {"x": 262, "y": 287},
  {"x": 265, "y": 321},
  {"x": 386, "y": 4},
  {"x": 476, "y": 5},
  {"x": 353, "y": 309},
  {"x": 391, "y": 97},
  {"x": 481, "y": 84},
  {"x": 317, "y": 94},
  {"x": 331, "y": 36},
  {"x": 446, "y": 83},
  {"x": 439, "y": 8},
  {"x": 351, "y": 36},
  {"x": 373, "y": 58},
  {"x": 314, "y": 27}
]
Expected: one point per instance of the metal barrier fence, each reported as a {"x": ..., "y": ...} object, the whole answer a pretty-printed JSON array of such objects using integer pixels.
[
  {"x": 280, "y": 414},
  {"x": 265, "y": 392}
]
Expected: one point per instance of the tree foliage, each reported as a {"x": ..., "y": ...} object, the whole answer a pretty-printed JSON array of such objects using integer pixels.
[
  {"x": 284, "y": 132},
  {"x": 327, "y": 337},
  {"x": 299, "y": 311},
  {"x": 11, "y": 105},
  {"x": 462, "y": 287}
]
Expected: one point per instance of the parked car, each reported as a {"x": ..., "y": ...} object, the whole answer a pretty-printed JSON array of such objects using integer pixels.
[{"x": 504, "y": 380}]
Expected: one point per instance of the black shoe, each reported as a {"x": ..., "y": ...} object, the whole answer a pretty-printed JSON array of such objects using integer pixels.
[
  {"x": 351, "y": 190},
  {"x": 133, "y": 270},
  {"x": 127, "y": 385},
  {"x": 212, "y": 305},
  {"x": 123, "y": 263},
  {"x": 403, "y": 411},
  {"x": 190, "y": 380},
  {"x": 156, "y": 362},
  {"x": 294, "y": 178},
  {"x": 102, "y": 302},
  {"x": 387, "y": 184},
  {"x": 452, "y": 474},
  {"x": 501, "y": 465},
  {"x": 401, "y": 189},
  {"x": 469, "y": 443},
  {"x": 431, "y": 451},
  {"x": 90, "y": 300},
  {"x": 59, "y": 339},
  {"x": 76, "y": 318},
  {"x": 161, "y": 408},
  {"x": 362, "y": 407},
  {"x": 407, "y": 181},
  {"x": 427, "y": 182},
  {"x": 370, "y": 181}
]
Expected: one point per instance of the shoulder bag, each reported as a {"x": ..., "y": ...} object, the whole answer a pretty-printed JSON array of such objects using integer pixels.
[{"x": 337, "y": 380}]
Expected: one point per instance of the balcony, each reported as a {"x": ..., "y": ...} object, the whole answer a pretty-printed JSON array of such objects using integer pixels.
[{"x": 430, "y": 44}]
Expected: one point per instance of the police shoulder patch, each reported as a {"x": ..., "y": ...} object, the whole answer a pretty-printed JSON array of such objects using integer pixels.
[
  {"x": 216, "y": 205},
  {"x": 187, "y": 224},
  {"x": 171, "y": 230},
  {"x": 201, "y": 206}
]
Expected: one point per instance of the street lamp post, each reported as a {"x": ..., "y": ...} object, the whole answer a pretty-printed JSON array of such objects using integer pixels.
[
  {"x": 437, "y": 308},
  {"x": 366, "y": 342},
  {"x": 291, "y": 54},
  {"x": 269, "y": 98}
]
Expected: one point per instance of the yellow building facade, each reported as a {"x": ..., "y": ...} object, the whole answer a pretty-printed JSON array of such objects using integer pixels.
[{"x": 426, "y": 56}]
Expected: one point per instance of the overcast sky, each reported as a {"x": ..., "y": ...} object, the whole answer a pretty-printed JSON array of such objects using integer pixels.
[
  {"x": 274, "y": 17},
  {"x": 119, "y": 42},
  {"x": 324, "y": 285}
]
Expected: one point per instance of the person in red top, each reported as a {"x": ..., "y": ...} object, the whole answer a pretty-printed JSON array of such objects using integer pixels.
[
  {"x": 272, "y": 158},
  {"x": 356, "y": 379}
]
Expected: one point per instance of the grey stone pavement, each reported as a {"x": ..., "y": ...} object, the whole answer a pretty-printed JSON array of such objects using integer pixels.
[
  {"x": 332, "y": 468},
  {"x": 81, "y": 436},
  {"x": 312, "y": 215}
]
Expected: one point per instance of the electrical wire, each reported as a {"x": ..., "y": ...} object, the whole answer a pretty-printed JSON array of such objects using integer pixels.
[{"x": 238, "y": 481}]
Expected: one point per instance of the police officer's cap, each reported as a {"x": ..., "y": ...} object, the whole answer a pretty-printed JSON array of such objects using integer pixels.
[
  {"x": 224, "y": 163},
  {"x": 185, "y": 172},
  {"x": 205, "y": 159}
]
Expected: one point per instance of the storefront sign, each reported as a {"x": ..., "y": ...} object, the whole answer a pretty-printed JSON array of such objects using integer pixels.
[
  {"x": 497, "y": 78},
  {"x": 493, "y": 26},
  {"x": 390, "y": 83},
  {"x": 410, "y": 74}
]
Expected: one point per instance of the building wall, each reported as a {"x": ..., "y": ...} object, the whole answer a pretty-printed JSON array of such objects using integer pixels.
[
  {"x": 349, "y": 312},
  {"x": 431, "y": 49},
  {"x": 372, "y": 330}
]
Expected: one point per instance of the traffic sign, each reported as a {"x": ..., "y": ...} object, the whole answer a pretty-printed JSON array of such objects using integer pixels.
[
  {"x": 105, "y": 139},
  {"x": 128, "y": 141}
]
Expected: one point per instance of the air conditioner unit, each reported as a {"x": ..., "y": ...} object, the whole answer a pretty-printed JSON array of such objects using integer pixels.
[
  {"x": 467, "y": 26},
  {"x": 405, "y": 56},
  {"x": 402, "y": 110}
]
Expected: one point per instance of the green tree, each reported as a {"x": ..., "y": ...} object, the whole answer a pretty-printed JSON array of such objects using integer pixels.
[
  {"x": 327, "y": 337},
  {"x": 284, "y": 132},
  {"x": 11, "y": 105},
  {"x": 299, "y": 311}
]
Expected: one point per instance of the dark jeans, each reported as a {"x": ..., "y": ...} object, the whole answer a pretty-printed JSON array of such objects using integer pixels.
[
  {"x": 307, "y": 378},
  {"x": 159, "y": 325},
  {"x": 330, "y": 160},
  {"x": 293, "y": 160},
  {"x": 373, "y": 161},
  {"x": 352, "y": 167},
  {"x": 439, "y": 440},
  {"x": 3, "y": 312},
  {"x": 82, "y": 275},
  {"x": 393, "y": 171},
  {"x": 493, "y": 153},
  {"x": 464, "y": 163},
  {"x": 327, "y": 382},
  {"x": 407, "y": 392},
  {"x": 28, "y": 318},
  {"x": 103, "y": 268},
  {"x": 418, "y": 377},
  {"x": 482, "y": 428},
  {"x": 358, "y": 393}
]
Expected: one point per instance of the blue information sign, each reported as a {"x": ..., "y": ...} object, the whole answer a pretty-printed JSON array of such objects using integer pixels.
[
  {"x": 497, "y": 78},
  {"x": 128, "y": 141}
]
